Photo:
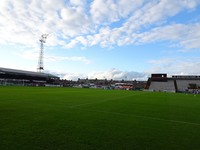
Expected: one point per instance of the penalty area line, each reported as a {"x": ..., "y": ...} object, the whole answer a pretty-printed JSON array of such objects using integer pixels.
[
  {"x": 111, "y": 99},
  {"x": 140, "y": 116}
]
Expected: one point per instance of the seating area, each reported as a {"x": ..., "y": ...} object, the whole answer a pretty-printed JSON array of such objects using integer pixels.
[
  {"x": 160, "y": 82},
  {"x": 25, "y": 78},
  {"x": 163, "y": 86},
  {"x": 182, "y": 85}
]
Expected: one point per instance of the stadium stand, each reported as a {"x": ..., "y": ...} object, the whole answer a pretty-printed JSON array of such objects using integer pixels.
[
  {"x": 21, "y": 77},
  {"x": 163, "y": 86},
  {"x": 160, "y": 82},
  {"x": 184, "y": 82}
]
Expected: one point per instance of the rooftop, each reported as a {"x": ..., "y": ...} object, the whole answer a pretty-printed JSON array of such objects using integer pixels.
[{"x": 27, "y": 73}]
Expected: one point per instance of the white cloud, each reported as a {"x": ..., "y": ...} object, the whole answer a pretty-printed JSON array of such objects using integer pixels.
[
  {"x": 34, "y": 54},
  {"x": 74, "y": 76},
  {"x": 114, "y": 74},
  {"x": 22, "y": 22},
  {"x": 107, "y": 23},
  {"x": 103, "y": 11},
  {"x": 155, "y": 14},
  {"x": 171, "y": 66},
  {"x": 175, "y": 66},
  {"x": 108, "y": 11},
  {"x": 68, "y": 75},
  {"x": 78, "y": 3},
  {"x": 74, "y": 58},
  {"x": 87, "y": 23},
  {"x": 157, "y": 11},
  {"x": 186, "y": 35},
  {"x": 118, "y": 75}
]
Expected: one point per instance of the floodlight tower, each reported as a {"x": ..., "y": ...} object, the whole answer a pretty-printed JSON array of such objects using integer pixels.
[{"x": 40, "y": 61}]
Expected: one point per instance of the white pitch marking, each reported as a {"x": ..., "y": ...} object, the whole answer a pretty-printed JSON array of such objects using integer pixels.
[
  {"x": 73, "y": 106},
  {"x": 140, "y": 116}
]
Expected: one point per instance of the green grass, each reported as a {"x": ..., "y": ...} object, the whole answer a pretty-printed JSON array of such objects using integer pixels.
[{"x": 35, "y": 118}]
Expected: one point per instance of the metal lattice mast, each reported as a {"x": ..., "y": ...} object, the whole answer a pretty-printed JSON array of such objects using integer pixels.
[{"x": 40, "y": 61}]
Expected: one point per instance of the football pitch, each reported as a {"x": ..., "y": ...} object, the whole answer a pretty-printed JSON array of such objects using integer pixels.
[{"x": 39, "y": 118}]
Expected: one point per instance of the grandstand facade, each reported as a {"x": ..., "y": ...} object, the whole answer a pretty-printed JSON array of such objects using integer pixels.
[
  {"x": 176, "y": 83},
  {"x": 21, "y": 77},
  {"x": 157, "y": 82}
]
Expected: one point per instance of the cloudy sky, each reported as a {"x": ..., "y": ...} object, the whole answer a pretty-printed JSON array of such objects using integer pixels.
[{"x": 113, "y": 39}]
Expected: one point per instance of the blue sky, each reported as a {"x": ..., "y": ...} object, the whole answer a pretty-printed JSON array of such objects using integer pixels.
[{"x": 113, "y": 39}]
